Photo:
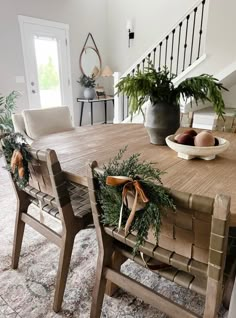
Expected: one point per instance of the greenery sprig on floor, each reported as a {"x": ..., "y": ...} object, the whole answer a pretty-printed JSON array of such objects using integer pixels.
[
  {"x": 111, "y": 197},
  {"x": 12, "y": 142}
]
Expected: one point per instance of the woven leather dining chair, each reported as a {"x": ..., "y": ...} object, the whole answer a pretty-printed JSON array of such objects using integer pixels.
[
  {"x": 192, "y": 241},
  {"x": 186, "y": 119},
  {"x": 227, "y": 124},
  {"x": 68, "y": 203}
]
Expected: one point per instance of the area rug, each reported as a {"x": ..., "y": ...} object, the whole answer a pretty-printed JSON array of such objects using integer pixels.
[{"x": 28, "y": 291}]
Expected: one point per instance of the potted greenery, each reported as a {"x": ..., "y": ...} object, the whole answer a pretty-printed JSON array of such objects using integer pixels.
[
  {"x": 89, "y": 84},
  {"x": 163, "y": 113},
  {"x": 7, "y": 107}
]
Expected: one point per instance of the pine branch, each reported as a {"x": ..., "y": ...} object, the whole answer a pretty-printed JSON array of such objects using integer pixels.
[
  {"x": 110, "y": 197},
  {"x": 203, "y": 88},
  {"x": 159, "y": 88},
  {"x": 15, "y": 141}
]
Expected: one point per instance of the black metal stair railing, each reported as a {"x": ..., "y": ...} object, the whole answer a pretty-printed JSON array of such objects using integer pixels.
[{"x": 178, "y": 50}]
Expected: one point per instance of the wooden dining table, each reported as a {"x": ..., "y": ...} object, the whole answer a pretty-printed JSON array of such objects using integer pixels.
[{"x": 77, "y": 147}]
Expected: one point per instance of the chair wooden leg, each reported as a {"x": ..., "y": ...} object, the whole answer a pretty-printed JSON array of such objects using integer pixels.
[
  {"x": 98, "y": 291},
  {"x": 22, "y": 207},
  {"x": 18, "y": 238},
  {"x": 104, "y": 259},
  {"x": 63, "y": 269},
  {"x": 117, "y": 260}
]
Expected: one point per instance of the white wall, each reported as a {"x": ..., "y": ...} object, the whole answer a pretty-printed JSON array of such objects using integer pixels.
[
  {"x": 230, "y": 97},
  {"x": 152, "y": 19},
  {"x": 83, "y": 16}
]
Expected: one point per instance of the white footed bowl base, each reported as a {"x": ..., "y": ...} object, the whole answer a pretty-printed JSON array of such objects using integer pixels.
[{"x": 189, "y": 157}]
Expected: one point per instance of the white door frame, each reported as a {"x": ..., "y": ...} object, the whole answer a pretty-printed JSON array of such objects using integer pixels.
[{"x": 24, "y": 19}]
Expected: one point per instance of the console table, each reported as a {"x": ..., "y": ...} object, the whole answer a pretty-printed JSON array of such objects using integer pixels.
[{"x": 91, "y": 102}]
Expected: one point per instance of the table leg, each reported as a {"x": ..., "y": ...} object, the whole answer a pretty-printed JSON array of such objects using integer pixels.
[
  {"x": 81, "y": 113},
  {"x": 91, "y": 105},
  {"x": 105, "y": 108},
  {"x": 113, "y": 104}
]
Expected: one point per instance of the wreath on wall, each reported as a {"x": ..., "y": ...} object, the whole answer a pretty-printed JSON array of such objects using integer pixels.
[
  {"x": 17, "y": 155},
  {"x": 132, "y": 196}
]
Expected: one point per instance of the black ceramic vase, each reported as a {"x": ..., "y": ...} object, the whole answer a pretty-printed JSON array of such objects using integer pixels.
[{"x": 162, "y": 120}]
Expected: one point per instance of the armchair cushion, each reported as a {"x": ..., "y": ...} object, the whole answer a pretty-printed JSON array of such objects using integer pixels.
[
  {"x": 19, "y": 126},
  {"x": 41, "y": 122}
]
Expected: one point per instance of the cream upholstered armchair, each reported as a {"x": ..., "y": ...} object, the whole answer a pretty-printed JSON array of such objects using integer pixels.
[
  {"x": 46, "y": 121},
  {"x": 19, "y": 126},
  {"x": 34, "y": 123}
]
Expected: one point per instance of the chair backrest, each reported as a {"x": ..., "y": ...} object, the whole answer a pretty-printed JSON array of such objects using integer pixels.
[
  {"x": 186, "y": 119},
  {"x": 193, "y": 238},
  {"x": 228, "y": 124},
  {"x": 192, "y": 230},
  {"x": 45, "y": 121},
  {"x": 19, "y": 126},
  {"x": 18, "y": 122},
  {"x": 47, "y": 183}
]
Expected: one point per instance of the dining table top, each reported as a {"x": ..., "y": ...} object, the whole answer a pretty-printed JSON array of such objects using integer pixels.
[{"x": 77, "y": 147}]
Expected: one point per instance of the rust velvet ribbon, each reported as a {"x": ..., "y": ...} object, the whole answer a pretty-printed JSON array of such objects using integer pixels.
[
  {"x": 133, "y": 186},
  {"x": 17, "y": 162}
]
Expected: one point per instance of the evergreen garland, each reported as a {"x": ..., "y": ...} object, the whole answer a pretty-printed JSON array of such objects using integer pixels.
[
  {"x": 110, "y": 197},
  {"x": 15, "y": 141}
]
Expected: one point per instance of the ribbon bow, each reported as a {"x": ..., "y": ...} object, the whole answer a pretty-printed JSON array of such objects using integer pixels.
[
  {"x": 130, "y": 187},
  {"x": 17, "y": 162}
]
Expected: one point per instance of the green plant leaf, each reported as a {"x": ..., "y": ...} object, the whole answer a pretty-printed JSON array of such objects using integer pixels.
[
  {"x": 7, "y": 107},
  {"x": 149, "y": 177},
  {"x": 158, "y": 87}
]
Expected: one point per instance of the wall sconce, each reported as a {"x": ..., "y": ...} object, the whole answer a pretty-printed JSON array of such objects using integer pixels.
[{"x": 129, "y": 27}]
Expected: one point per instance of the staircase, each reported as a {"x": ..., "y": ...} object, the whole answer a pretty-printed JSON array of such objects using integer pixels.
[{"x": 180, "y": 50}]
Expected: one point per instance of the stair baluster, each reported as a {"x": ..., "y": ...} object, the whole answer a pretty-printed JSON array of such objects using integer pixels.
[
  {"x": 172, "y": 48},
  {"x": 177, "y": 63},
  {"x": 167, "y": 38},
  {"x": 201, "y": 31},
  {"x": 185, "y": 42},
  {"x": 159, "y": 67},
  {"x": 154, "y": 56},
  {"x": 194, "y": 22}
]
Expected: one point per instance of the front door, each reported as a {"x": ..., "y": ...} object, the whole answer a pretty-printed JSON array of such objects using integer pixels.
[{"x": 47, "y": 62}]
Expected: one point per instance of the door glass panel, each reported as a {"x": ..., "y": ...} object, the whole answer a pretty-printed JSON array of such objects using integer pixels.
[{"x": 46, "y": 52}]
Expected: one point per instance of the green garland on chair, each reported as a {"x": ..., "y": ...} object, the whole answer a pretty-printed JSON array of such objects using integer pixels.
[
  {"x": 16, "y": 142},
  {"x": 110, "y": 197}
]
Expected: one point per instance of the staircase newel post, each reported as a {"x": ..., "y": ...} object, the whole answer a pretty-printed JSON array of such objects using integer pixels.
[{"x": 118, "y": 108}]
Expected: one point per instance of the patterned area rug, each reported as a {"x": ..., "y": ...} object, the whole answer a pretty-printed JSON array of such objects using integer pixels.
[{"x": 28, "y": 292}]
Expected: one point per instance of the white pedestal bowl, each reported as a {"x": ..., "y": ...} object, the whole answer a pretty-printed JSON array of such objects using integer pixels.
[{"x": 190, "y": 152}]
